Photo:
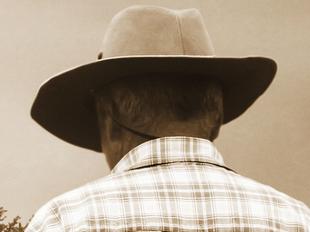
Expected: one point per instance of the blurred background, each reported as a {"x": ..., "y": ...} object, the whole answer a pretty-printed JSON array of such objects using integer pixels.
[{"x": 39, "y": 38}]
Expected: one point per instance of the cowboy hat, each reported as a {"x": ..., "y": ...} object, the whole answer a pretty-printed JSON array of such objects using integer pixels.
[{"x": 143, "y": 40}]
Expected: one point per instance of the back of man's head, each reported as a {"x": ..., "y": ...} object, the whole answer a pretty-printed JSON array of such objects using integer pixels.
[{"x": 157, "y": 106}]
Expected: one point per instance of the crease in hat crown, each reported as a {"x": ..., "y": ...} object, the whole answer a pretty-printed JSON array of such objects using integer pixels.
[{"x": 151, "y": 30}]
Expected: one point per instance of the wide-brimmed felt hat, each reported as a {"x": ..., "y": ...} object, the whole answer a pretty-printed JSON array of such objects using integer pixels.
[{"x": 147, "y": 40}]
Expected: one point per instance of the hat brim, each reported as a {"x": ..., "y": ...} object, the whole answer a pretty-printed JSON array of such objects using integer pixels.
[{"x": 63, "y": 103}]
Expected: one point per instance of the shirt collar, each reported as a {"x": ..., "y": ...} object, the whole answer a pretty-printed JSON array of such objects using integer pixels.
[{"x": 168, "y": 150}]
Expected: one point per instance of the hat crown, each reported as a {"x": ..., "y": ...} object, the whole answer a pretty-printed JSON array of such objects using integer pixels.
[{"x": 151, "y": 30}]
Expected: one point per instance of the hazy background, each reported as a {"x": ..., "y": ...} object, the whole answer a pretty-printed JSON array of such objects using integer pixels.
[{"x": 38, "y": 38}]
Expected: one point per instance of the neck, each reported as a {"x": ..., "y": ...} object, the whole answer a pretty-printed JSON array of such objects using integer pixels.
[
  {"x": 174, "y": 128},
  {"x": 116, "y": 148},
  {"x": 180, "y": 128}
]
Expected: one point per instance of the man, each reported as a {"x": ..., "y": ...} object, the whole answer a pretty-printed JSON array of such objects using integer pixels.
[{"x": 153, "y": 103}]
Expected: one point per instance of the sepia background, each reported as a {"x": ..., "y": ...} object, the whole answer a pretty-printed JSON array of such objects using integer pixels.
[{"x": 38, "y": 38}]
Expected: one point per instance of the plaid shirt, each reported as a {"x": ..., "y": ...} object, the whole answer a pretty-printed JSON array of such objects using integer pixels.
[{"x": 173, "y": 184}]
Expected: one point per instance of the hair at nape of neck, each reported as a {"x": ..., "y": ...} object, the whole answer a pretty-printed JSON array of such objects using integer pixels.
[{"x": 160, "y": 107}]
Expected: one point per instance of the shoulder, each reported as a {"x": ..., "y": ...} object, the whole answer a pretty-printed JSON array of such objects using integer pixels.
[
  {"x": 280, "y": 205},
  {"x": 72, "y": 209}
]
